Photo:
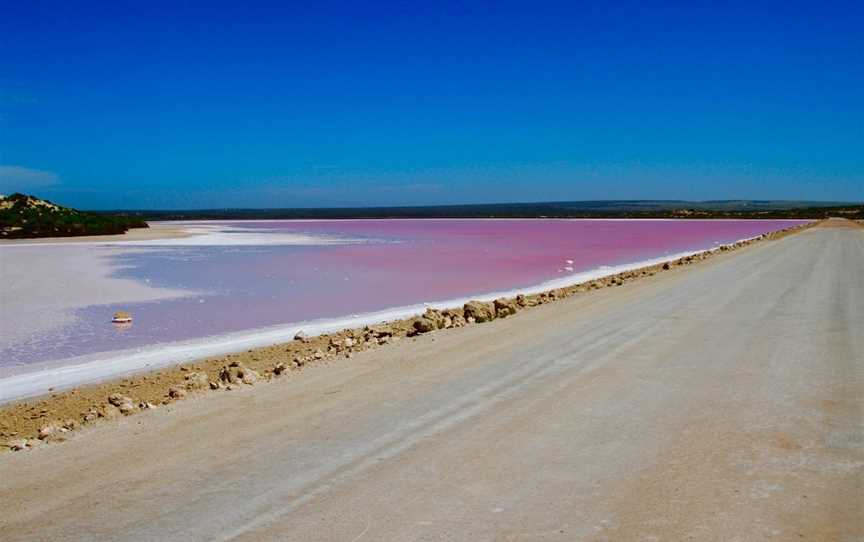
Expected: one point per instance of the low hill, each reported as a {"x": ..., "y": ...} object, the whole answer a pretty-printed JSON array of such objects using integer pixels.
[{"x": 23, "y": 217}]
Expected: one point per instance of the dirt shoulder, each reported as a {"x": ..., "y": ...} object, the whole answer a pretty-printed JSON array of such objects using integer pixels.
[{"x": 843, "y": 223}]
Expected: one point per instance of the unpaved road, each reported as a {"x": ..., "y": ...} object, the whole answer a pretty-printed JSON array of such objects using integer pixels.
[{"x": 721, "y": 402}]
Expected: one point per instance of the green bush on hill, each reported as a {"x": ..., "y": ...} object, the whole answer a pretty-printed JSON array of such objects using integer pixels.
[{"x": 23, "y": 216}]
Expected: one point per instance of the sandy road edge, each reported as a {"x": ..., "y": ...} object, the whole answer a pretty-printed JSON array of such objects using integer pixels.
[{"x": 32, "y": 422}]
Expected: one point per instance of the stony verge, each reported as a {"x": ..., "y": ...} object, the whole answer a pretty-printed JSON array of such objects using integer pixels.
[{"x": 28, "y": 424}]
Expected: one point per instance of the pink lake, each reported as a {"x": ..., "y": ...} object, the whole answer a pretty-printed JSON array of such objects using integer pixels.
[{"x": 259, "y": 274}]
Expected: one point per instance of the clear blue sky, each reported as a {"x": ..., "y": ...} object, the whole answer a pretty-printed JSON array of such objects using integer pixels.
[{"x": 248, "y": 104}]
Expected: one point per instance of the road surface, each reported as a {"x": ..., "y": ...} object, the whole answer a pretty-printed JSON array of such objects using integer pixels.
[{"x": 718, "y": 402}]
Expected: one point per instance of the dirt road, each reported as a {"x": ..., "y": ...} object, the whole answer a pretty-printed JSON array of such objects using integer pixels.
[{"x": 722, "y": 402}]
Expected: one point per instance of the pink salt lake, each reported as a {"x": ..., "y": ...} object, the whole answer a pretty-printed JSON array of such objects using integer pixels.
[{"x": 343, "y": 268}]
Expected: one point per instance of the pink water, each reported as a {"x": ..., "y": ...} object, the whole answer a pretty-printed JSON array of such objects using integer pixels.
[{"x": 388, "y": 263}]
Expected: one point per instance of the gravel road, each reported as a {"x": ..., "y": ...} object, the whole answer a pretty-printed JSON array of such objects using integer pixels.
[{"x": 719, "y": 402}]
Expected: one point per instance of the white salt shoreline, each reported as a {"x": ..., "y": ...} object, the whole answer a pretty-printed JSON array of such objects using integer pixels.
[
  {"x": 71, "y": 372},
  {"x": 190, "y": 234},
  {"x": 38, "y": 298}
]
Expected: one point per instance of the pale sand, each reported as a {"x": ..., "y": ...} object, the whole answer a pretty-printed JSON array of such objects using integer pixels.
[
  {"x": 721, "y": 402},
  {"x": 155, "y": 231},
  {"x": 41, "y": 288}
]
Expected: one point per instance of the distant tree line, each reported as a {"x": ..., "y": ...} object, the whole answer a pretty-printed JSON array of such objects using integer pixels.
[{"x": 600, "y": 209}]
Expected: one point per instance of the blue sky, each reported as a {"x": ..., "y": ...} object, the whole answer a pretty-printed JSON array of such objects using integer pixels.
[{"x": 185, "y": 105}]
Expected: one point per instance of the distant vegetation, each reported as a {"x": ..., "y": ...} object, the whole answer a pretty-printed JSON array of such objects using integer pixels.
[
  {"x": 23, "y": 216},
  {"x": 573, "y": 209}
]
